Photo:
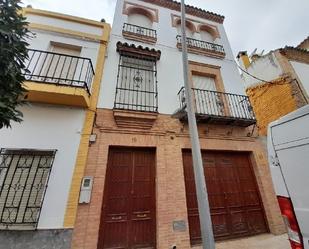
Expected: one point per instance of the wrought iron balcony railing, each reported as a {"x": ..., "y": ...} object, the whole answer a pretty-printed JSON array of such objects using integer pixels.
[
  {"x": 219, "y": 107},
  {"x": 145, "y": 34},
  {"x": 59, "y": 69},
  {"x": 201, "y": 45}
]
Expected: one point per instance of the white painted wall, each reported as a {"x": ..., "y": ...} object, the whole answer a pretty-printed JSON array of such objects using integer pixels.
[
  {"x": 42, "y": 41},
  {"x": 140, "y": 20},
  {"x": 205, "y": 36},
  {"x": 266, "y": 68},
  {"x": 302, "y": 71},
  {"x": 50, "y": 127},
  {"x": 169, "y": 67},
  {"x": 189, "y": 33}
]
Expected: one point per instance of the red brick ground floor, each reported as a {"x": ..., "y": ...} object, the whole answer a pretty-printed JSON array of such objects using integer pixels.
[{"x": 168, "y": 139}]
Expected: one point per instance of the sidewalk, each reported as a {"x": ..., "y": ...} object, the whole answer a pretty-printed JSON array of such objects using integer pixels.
[{"x": 265, "y": 241}]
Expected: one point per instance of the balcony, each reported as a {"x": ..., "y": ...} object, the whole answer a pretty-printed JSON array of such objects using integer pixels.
[
  {"x": 136, "y": 98},
  {"x": 218, "y": 108},
  {"x": 141, "y": 34},
  {"x": 202, "y": 47},
  {"x": 55, "y": 78}
]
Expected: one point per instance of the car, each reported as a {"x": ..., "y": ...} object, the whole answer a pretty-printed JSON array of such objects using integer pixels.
[{"x": 288, "y": 154}]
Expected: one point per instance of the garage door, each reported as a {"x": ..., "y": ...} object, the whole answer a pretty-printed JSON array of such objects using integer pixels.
[
  {"x": 128, "y": 215},
  {"x": 235, "y": 204}
]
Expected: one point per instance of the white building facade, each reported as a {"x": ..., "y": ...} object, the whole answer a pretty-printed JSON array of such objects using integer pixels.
[
  {"x": 143, "y": 192},
  {"x": 167, "y": 26},
  {"x": 277, "y": 82}
]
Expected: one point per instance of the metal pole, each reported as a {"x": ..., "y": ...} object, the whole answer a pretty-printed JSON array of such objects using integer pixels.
[{"x": 201, "y": 190}]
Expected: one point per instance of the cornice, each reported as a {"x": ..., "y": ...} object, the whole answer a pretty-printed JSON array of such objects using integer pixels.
[{"x": 191, "y": 10}]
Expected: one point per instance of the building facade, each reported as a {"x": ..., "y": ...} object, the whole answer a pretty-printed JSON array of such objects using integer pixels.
[
  {"x": 42, "y": 158},
  {"x": 281, "y": 81},
  {"x": 140, "y": 166}
]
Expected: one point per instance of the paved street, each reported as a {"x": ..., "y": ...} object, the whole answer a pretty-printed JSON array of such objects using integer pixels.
[{"x": 265, "y": 241}]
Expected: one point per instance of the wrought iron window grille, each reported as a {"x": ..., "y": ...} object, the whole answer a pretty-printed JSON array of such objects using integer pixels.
[
  {"x": 136, "y": 84},
  {"x": 24, "y": 176},
  {"x": 60, "y": 69}
]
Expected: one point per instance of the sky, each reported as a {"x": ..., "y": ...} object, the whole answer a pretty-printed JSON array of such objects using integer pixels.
[{"x": 249, "y": 24}]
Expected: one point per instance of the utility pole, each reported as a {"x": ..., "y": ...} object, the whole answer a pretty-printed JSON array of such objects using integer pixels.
[{"x": 201, "y": 189}]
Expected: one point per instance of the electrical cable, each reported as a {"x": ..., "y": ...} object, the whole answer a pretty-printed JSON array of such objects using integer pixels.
[{"x": 251, "y": 74}]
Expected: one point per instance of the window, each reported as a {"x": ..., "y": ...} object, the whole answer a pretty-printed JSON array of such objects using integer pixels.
[
  {"x": 24, "y": 176},
  {"x": 137, "y": 84}
]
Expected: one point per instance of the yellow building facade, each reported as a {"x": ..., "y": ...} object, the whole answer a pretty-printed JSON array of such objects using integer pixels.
[{"x": 46, "y": 153}]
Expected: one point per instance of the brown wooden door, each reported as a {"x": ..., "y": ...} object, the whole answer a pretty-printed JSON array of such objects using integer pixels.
[
  {"x": 236, "y": 208},
  {"x": 128, "y": 215}
]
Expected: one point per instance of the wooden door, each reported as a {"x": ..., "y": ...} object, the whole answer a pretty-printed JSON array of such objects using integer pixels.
[
  {"x": 235, "y": 204},
  {"x": 128, "y": 215}
]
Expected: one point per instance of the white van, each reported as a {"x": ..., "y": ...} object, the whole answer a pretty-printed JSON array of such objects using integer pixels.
[{"x": 288, "y": 148}]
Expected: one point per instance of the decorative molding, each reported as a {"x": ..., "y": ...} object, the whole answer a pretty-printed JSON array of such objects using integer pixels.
[
  {"x": 296, "y": 54},
  {"x": 176, "y": 20},
  {"x": 195, "y": 63},
  {"x": 139, "y": 38},
  {"x": 304, "y": 44},
  {"x": 202, "y": 69},
  {"x": 126, "y": 49},
  {"x": 211, "y": 29},
  {"x": 68, "y": 32},
  {"x": 69, "y": 18},
  {"x": 133, "y": 8},
  {"x": 198, "y": 26},
  {"x": 203, "y": 51},
  {"x": 134, "y": 119},
  {"x": 173, "y": 5}
]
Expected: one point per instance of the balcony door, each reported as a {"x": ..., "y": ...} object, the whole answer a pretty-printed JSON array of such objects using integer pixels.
[
  {"x": 59, "y": 65},
  {"x": 206, "y": 97},
  {"x": 65, "y": 67}
]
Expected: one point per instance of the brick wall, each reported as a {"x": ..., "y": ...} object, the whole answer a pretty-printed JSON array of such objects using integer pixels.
[
  {"x": 271, "y": 101},
  {"x": 169, "y": 137}
]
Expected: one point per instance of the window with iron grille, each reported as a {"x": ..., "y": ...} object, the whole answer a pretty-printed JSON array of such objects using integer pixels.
[
  {"x": 24, "y": 176},
  {"x": 137, "y": 84}
]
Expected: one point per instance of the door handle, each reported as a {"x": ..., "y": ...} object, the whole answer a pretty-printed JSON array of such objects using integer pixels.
[
  {"x": 117, "y": 218},
  {"x": 141, "y": 215}
]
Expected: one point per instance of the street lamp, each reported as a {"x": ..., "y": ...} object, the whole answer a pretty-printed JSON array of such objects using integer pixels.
[{"x": 201, "y": 189}]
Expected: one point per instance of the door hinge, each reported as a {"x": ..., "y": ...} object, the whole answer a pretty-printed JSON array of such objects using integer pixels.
[{"x": 274, "y": 161}]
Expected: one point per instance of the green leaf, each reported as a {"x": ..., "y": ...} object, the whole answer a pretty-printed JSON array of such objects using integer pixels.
[{"x": 14, "y": 35}]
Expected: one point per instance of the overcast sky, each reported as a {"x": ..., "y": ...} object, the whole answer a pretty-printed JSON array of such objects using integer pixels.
[{"x": 250, "y": 24}]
